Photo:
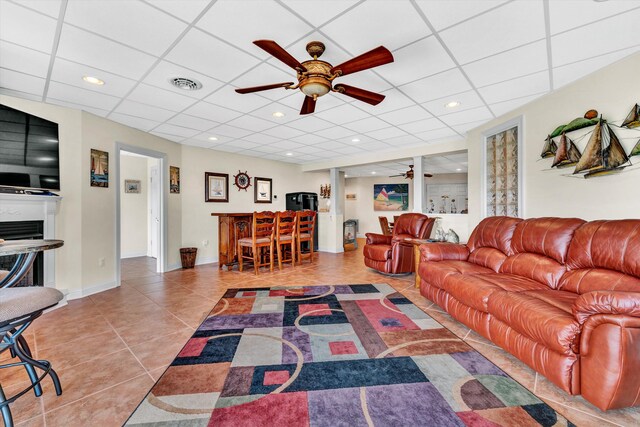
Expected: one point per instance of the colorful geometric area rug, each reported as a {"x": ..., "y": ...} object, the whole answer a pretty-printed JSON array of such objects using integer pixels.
[{"x": 342, "y": 355}]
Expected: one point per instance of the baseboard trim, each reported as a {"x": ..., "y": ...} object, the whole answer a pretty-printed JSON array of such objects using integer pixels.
[
  {"x": 133, "y": 254},
  {"x": 331, "y": 250},
  {"x": 90, "y": 290}
]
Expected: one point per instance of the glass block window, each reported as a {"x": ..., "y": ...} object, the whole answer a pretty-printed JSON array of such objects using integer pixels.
[{"x": 502, "y": 173}]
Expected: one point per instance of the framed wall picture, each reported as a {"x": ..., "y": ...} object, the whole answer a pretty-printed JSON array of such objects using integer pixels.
[
  {"x": 216, "y": 187},
  {"x": 99, "y": 168},
  {"x": 174, "y": 179},
  {"x": 262, "y": 190},
  {"x": 390, "y": 197},
  {"x": 131, "y": 186}
]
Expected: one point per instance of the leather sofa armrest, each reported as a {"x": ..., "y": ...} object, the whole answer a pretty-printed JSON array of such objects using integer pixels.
[
  {"x": 378, "y": 239},
  {"x": 443, "y": 251},
  {"x": 606, "y": 302}
]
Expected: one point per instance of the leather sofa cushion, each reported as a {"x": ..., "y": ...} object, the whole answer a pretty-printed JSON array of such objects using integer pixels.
[
  {"x": 476, "y": 290},
  {"x": 543, "y": 316},
  {"x": 377, "y": 252},
  {"x": 488, "y": 257},
  {"x": 536, "y": 267},
  {"x": 598, "y": 279},
  {"x": 435, "y": 273},
  {"x": 545, "y": 236},
  {"x": 494, "y": 232},
  {"x": 612, "y": 245}
]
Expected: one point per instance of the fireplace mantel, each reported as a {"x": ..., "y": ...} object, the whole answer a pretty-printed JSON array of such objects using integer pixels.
[{"x": 29, "y": 207}]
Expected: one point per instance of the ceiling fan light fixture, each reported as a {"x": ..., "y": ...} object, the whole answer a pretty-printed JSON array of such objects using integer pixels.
[
  {"x": 452, "y": 104},
  {"x": 315, "y": 87}
]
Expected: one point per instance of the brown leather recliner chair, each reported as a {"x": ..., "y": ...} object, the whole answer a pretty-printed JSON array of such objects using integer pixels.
[{"x": 390, "y": 254}]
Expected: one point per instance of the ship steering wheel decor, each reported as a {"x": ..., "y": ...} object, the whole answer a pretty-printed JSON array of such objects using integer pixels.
[{"x": 242, "y": 180}]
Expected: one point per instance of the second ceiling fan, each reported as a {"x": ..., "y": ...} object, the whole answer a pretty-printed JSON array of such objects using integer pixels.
[
  {"x": 315, "y": 77},
  {"x": 409, "y": 174}
]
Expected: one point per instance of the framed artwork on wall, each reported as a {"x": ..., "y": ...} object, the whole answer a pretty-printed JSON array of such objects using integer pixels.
[
  {"x": 216, "y": 187},
  {"x": 502, "y": 170},
  {"x": 174, "y": 179},
  {"x": 390, "y": 197},
  {"x": 99, "y": 168},
  {"x": 262, "y": 188},
  {"x": 131, "y": 186}
]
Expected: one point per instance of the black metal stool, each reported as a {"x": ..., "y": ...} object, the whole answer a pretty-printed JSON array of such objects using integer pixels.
[{"x": 19, "y": 307}]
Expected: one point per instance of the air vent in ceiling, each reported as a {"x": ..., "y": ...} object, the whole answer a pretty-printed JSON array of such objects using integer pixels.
[{"x": 185, "y": 84}]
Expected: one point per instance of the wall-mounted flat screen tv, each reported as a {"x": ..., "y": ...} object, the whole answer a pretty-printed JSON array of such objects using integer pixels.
[{"x": 29, "y": 155}]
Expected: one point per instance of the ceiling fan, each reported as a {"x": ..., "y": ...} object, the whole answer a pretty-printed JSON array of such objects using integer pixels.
[
  {"x": 409, "y": 174},
  {"x": 315, "y": 77}
]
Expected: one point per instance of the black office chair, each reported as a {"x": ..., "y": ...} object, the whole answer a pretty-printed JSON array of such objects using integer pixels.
[{"x": 19, "y": 307}]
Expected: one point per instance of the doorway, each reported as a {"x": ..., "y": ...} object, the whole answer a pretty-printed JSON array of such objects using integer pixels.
[{"x": 141, "y": 206}]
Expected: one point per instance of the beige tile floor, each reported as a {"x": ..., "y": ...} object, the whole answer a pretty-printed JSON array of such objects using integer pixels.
[{"x": 111, "y": 347}]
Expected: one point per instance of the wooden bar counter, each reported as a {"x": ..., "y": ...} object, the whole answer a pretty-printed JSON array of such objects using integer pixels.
[{"x": 231, "y": 227}]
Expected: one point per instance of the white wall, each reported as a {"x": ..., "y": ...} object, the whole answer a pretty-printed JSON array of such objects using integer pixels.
[
  {"x": 548, "y": 192},
  {"x": 199, "y": 226},
  {"x": 134, "y": 209}
]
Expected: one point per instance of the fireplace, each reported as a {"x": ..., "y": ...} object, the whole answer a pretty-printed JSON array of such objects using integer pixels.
[{"x": 21, "y": 230}]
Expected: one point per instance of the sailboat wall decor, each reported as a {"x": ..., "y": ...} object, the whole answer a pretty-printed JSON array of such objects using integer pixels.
[
  {"x": 635, "y": 151},
  {"x": 633, "y": 118},
  {"x": 603, "y": 154},
  {"x": 567, "y": 153}
]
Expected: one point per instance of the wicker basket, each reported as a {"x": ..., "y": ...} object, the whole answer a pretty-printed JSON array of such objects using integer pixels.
[{"x": 188, "y": 257}]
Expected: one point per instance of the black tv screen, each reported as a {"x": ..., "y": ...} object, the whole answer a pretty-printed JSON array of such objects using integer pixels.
[{"x": 29, "y": 155}]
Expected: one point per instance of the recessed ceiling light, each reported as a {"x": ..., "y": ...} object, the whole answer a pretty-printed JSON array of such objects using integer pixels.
[
  {"x": 452, "y": 104},
  {"x": 289, "y": 154},
  {"x": 185, "y": 83},
  {"x": 458, "y": 169},
  {"x": 93, "y": 80},
  {"x": 213, "y": 138},
  {"x": 355, "y": 140},
  {"x": 278, "y": 114},
  {"x": 346, "y": 176},
  {"x": 373, "y": 172}
]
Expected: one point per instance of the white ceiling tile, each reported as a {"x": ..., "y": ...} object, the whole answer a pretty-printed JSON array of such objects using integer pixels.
[
  {"x": 394, "y": 100},
  {"x": 86, "y": 48},
  {"x": 174, "y": 138},
  {"x": 267, "y": 111},
  {"x": 567, "y": 14},
  {"x": 230, "y": 148},
  {"x": 21, "y": 82},
  {"x": 350, "y": 149},
  {"x": 501, "y": 108},
  {"x": 309, "y": 138},
  {"x": 506, "y": 27},
  {"x": 26, "y": 27},
  {"x": 242, "y": 144},
  {"x": 422, "y": 125},
  {"x": 405, "y": 115},
  {"x": 195, "y": 143},
  {"x": 212, "y": 112},
  {"x": 81, "y": 96},
  {"x": 507, "y": 65},
  {"x": 374, "y": 145},
  {"x": 387, "y": 133},
  {"x": 253, "y": 124},
  {"x": 467, "y": 101},
  {"x": 230, "y": 131},
  {"x": 261, "y": 138},
  {"x": 166, "y": 99},
  {"x": 192, "y": 122},
  {"x": 204, "y": 137},
  {"x": 96, "y": 111},
  {"x": 133, "y": 23},
  {"x": 342, "y": 114},
  {"x": 316, "y": 11},
  {"x": 145, "y": 111},
  {"x": 426, "y": 57},
  {"x": 309, "y": 149},
  {"x": 309, "y": 123},
  {"x": 71, "y": 73},
  {"x": 185, "y": 10},
  {"x": 331, "y": 145},
  {"x": 366, "y": 80},
  {"x": 359, "y": 30},
  {"x": 366, "y": 125},
  {"x": 444, "y": 13},
  {"x": 266, "y": 74},
  {"x": 48, "y": 7},
  {"x": 19, "y": 94},
  {"x": 266, "y": 149},
  {"x": 438, "y": 86},
  {"x": 572, "y": 72},
  {"x": 164, "y": 71},
  {"x": 612, "y": 34},
  {"x": 403, "y": 140},
  {"x": 465, "y": 127},
  {"x": 472, "y": 115},
  {"x": 335, "y": 133},
  {"x": 242, "y": 22},
  {"x": 24, "y": 60},
  {"x": 134, "y": 122},
  {"x": 516, "y": 88},
  {"x": 208, "y": 55},
  {"x": 286, "y": 145},
  {"x": 283, "y": 132},
  {"x": 229, "y": 98}
]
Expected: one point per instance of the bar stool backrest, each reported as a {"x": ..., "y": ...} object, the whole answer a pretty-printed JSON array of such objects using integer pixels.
[
  {"x": 263, "y": 225},
  {"x": 306, "y": 222},
  {"x": 384, "y": 225},
  {"x": 285, "y": 223}
]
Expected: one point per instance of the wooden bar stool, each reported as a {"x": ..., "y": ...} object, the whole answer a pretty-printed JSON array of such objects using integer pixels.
[
  {"x": 306, "y": 224},
  {"x": 262, "y": 237},
  {"x": 285, "y": 235}
]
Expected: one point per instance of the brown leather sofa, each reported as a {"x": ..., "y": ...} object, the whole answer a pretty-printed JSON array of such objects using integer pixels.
[
  {"x": 390, "y": 254},
  {"x": 561, "y": 294}
]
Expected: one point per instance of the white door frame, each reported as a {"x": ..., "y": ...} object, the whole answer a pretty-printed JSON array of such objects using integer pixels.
[
  {"x": 152, "y": 241},
  {"x": 163, "y": 182}
]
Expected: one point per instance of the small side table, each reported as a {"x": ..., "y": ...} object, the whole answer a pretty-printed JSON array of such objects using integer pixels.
[
  {"x": 416, "y": 254},
  {"x": 26, "y": 251}
]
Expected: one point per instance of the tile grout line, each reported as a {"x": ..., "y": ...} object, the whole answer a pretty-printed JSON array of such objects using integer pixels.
[{"x": 130, "y": 351}]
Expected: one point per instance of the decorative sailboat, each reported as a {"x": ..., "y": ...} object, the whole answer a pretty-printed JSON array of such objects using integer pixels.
[
  {"x": 603, "y": 154},
  {"x": 549, "y": 149},
  {"x": 635, "y": 151},
  {"x": 567, "y": 153},
  {"x": 633, "y": 118}
]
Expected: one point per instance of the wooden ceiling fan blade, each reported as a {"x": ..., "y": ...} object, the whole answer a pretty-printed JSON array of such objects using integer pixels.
[
  {"x": 265, "y": 87},
  {"x": 308, "y": 106},
  {"x": 428, "y": 175},
  {"x": 360, "y": 94},
  {"x": 373, "y": 58},
  {"x": 392, "y": 176},
  {"x": 278, "y": 52}
]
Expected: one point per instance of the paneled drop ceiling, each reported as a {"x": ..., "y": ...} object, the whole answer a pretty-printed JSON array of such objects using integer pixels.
[
  {"x": 441, "y": 164},
  {"x": 490, "y": 56}
]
